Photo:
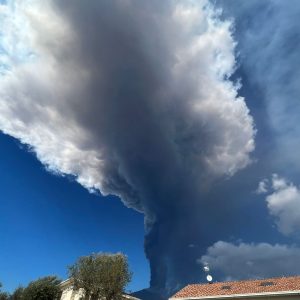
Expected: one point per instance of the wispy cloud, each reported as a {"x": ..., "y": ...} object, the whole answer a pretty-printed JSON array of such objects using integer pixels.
[
  {"x": 262, "y": 186},
  {"x": 283, "y": 202}
]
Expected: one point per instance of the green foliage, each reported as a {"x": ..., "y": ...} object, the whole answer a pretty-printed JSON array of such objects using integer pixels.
[
  {"x": 3, "y": 295},
  {"x": 45, "y": 288},
  {"x": 17, "y": 294},
  {"x": 101, "y": 275}
]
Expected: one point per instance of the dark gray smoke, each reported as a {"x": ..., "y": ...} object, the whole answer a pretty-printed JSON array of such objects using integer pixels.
[{"x": 133, "y": 98}]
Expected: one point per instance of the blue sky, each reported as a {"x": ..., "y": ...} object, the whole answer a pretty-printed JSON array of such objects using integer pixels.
[
  {"x": 187, "y": 114},
  {"x": 47, "y": 222}
]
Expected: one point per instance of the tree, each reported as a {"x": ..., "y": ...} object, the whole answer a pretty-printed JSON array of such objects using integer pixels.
[
  {"x": 3, "y": 295},
  {"x": 46, "y": 288},
  {"x": 17, "y": 294},
  {"x": 101, "y": 275}
]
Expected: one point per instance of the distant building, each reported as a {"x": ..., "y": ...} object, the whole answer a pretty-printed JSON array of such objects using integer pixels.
[
  {"x": 68, "y": 293},
  {"x": 285, "y": 288}
]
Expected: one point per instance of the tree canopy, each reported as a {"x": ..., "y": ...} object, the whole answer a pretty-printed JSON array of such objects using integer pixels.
[
  {"x": 17, "y": 294},
  {"x": 46, "y": 288},
  {"x": 101, "y": 275},
  {"x": 3, "y": 295}
]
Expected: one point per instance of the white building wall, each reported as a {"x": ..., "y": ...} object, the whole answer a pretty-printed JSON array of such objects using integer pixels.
[{"x": 70, "y": 294}]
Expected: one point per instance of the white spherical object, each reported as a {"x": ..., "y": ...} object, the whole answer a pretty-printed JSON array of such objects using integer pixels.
[{"x": 209, "y": 278}]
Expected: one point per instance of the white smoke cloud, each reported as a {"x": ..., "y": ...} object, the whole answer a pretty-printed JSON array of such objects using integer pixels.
[
  {"x": 38, "y": 86},
  {"x": 243, "y": 261},
  {"x": 37, "y": 93},
  {"x": 283, "y": 202}
]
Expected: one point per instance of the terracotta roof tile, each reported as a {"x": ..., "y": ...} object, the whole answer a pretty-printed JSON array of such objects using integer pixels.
[{"x": 240, "y": 287}]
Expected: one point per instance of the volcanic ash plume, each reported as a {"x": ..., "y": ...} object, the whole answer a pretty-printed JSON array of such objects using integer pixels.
[{"x": 133, "y": 98}]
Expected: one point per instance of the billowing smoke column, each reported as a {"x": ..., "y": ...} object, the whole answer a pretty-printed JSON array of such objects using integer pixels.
[{"x": 134, "y": 99}]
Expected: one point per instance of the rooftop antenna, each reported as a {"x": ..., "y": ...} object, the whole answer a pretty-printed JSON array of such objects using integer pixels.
[{"x": 206, "y": 270}]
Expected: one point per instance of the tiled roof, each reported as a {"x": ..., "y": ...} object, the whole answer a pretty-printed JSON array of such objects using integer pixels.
[{"x": 218, "y": 289}]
